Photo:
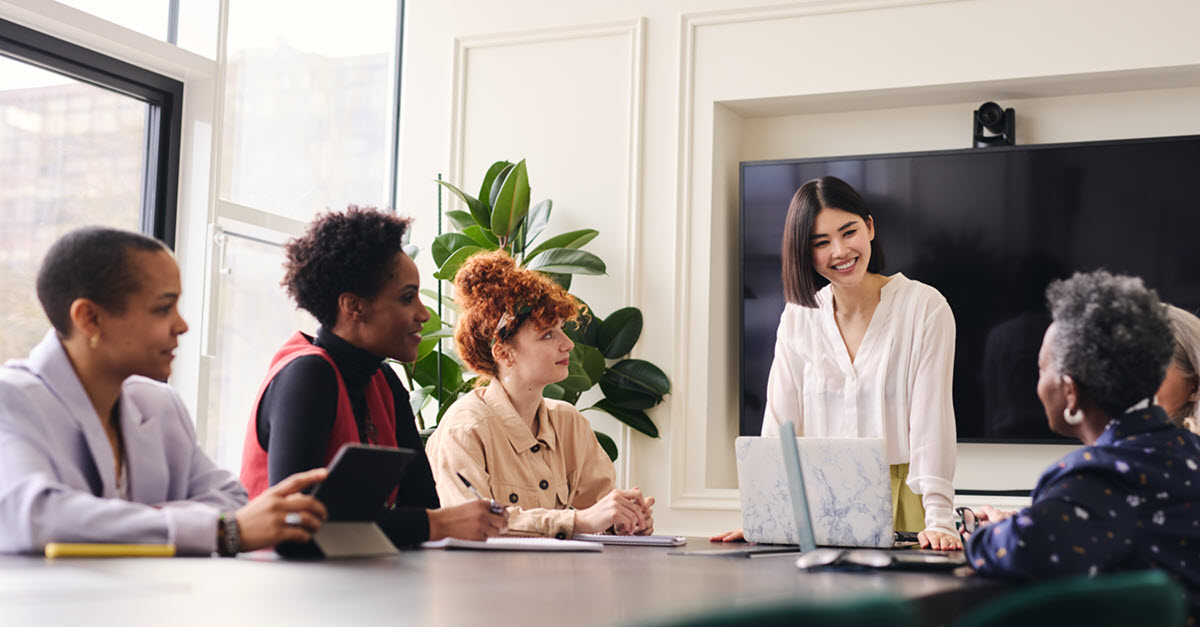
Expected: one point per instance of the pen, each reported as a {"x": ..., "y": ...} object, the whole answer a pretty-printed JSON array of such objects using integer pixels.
[
  {"x": 494, "y": 506},
  {"x": 72, "y": 549}
]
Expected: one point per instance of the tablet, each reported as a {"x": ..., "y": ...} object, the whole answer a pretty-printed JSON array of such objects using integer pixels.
[{"x": 361, "y": 478}]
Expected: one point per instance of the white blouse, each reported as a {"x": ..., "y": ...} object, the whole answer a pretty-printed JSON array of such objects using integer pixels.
[{"x": 898, "y": 387}]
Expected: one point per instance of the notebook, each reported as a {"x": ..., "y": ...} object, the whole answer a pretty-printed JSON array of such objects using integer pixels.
[
  {"x": 515, "y": 544},
  {"x": 843, "y": 493}
]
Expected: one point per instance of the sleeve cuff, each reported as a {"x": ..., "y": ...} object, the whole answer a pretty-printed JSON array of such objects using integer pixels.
[{"x": 191, "y": 527}]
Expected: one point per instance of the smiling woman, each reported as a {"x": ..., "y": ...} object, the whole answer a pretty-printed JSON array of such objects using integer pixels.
[
  {"x": 350, "y": 272},
  {"x": 866, "y": 356}
]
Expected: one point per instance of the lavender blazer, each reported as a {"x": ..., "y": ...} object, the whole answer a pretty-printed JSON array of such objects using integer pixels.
[{"x": 57, "y": 476}]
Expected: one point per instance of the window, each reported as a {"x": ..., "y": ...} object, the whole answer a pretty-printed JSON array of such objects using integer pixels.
[{"x": 87, "y": 140}]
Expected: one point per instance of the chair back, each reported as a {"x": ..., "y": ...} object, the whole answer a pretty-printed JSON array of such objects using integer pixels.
[{"x": 1144, "y": 598}]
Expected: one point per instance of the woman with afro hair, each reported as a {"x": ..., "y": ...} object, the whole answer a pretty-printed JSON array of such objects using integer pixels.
[
  {"x": 538, "y": 456},
  {"x": 323, "y": 391}
]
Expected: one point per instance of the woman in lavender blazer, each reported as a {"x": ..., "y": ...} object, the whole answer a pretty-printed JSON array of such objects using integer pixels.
[{"x": 93, "y": 447}]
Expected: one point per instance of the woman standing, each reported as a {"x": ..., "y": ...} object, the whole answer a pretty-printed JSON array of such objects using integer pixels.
[
  {"x": 866, "y": 356},
  {"x": 95, "y": 447},
  {"x": 538, "y": 456},
  {"x": 350, "y": 273}
]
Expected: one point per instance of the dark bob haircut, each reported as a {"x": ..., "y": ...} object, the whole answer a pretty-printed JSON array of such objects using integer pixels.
[
  {"x": 349, "y": 251},
  {"x": 91, "y": 263},
  {"x": 800, "y": 279}
]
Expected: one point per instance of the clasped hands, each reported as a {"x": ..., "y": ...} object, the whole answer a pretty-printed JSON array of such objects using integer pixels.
[{"x": 624, "y": 512}]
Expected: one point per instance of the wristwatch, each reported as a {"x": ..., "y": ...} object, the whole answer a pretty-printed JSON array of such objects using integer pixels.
[{"x": 229, "y": 535}]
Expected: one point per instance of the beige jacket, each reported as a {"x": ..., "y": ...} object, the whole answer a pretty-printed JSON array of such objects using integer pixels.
[{"x": 541, "y": 480}]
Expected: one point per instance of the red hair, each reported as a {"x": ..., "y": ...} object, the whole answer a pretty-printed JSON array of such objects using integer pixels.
[{"x": 491, "y": 287}]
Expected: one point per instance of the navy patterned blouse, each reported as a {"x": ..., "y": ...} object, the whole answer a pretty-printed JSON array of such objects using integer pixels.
[{"x": 1131, "y": 501}]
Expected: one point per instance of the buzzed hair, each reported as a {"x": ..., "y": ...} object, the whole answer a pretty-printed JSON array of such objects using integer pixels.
[{"x": 91, "y": 263}]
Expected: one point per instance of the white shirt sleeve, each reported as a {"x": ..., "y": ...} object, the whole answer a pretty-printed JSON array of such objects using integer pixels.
[
  {"x": 931, "y": 429},
  {"x": 784, "y": 386}
]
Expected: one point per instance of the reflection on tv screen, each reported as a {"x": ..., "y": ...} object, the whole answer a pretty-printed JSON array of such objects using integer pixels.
[{"x": 989, "y": 228}]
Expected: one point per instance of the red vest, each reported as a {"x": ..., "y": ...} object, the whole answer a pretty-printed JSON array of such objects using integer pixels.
[{"x": 381, "y": 409}]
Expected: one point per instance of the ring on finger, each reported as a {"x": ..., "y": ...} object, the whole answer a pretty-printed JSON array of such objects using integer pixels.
[{"x": 292, "y": 519}]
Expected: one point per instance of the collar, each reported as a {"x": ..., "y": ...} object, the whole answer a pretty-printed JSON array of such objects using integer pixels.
[
  {"x": 1134, "y": 422},
  {"x": 356, "y": 365},
  {"x": 514, "y": 427}
]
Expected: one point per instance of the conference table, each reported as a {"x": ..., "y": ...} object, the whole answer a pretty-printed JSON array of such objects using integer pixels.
[{"x": 445, "y": 588}]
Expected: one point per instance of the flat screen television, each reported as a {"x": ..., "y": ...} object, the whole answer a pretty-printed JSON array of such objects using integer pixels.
[{"x": 989, "y": 228}]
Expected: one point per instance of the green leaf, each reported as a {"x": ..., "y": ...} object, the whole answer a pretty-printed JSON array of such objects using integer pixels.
[
  {"x": 576, "y": 383},
  {"x": 412, "y": 250},
  {"x": 446, "y": 244},
  {"x": 513, "y": 202},
  {"x": 432, "y": 331},
  {"x": 419, "y": 398},
  {"x": 445, "y": 300},
  {"x": 484, "y": 237},
  {"x": 634, "y": 384},
  {"x": 460, "y": 219},
  {"x": 635, "y": 418},
  {"x": 643, "y": 373},
  {"x": 497, "y": 183},
  {"x": 485, "y": 190},
  {"x": 570, "y": 239},
  {"x": 567, "y": 261},
  {"x": 606, "y": 443},
  {"x": 563, "y": 280},
  {"x": 451, "y": 382},
  {"x": 554, "y": 391},
  {"x": 619, "y": 332},
  {"x": 479, "y": 211},
  {"x": 450, "y": 268},
  {"x": 590, "y": 360},
  {"x": 538, "y": 218}
]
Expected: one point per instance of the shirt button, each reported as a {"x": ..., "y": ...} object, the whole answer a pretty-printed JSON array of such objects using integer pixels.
[
  {"x": 536, "y": 448},
  {"x": 560, "y": 535},
  {"x": 512, "y": 498},
  {"x": 544, "y": 484}
]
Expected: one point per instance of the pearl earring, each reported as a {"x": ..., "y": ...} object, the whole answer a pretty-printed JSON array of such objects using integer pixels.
[
  {"x": 1072, "y": 417},
  {"x": 94, "y": 341}
]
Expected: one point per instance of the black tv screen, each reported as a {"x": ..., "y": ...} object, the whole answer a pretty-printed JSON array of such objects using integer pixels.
[{"x": 989, "y": 228}]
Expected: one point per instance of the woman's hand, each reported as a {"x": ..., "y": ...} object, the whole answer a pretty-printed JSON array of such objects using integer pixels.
[
  {"x": 282, "y": 513},
  {"x": 729, "y": 536},
  {"x": 939, "y": 540},
  {"x": 648, "y": 514},
  {"x": 989, "y": 514},
  {"x": 622, "y": 510},
  {"x": 472, "y": 520}
]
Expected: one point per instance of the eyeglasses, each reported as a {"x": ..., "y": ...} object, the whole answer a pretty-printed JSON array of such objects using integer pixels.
[{"x": 969, "y": 523}]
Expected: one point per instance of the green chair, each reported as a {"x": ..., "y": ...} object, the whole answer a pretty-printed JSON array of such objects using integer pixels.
[
  {"x": 874, "y": 611},
  {"x": 1142, "y": 599}
]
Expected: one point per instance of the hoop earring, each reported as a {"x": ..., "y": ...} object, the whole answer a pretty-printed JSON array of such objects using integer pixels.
[{"x": 1073, "y": 417}]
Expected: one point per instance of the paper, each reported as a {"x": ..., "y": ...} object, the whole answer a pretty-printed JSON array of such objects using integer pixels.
[
  {"x": 514, "y": 544},
  {"x": 608, "y": 538}
]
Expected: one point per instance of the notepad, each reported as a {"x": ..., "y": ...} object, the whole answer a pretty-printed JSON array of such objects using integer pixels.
[
  {"x": 609, "y": 538},
  {"x": 514, "y": 544}
]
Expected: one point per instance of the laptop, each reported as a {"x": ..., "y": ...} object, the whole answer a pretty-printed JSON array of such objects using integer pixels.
[{"x": 827, "y": 492}]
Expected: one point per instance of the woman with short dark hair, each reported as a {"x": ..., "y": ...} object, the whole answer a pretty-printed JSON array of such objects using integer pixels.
[
  {"x": 1128, "y": 499},
  {"x": 862, "y": 355},
  {"x": 350, "y": 272},
  {"x": 96, "y": 447}
]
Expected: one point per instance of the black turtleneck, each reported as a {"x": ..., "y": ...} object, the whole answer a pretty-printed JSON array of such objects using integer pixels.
[{"x": 296, "y": 416}]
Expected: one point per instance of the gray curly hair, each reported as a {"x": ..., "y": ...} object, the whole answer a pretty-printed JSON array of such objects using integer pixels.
[
  {"x": 1187, "y": 356},
  {"x": 1112, "y": 337}
]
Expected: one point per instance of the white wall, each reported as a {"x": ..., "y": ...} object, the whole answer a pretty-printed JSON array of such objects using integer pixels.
[{"x": 633, "y": 116}]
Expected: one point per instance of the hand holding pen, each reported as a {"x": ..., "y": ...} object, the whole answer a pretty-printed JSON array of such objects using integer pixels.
[{"x": 492, "y": 504}]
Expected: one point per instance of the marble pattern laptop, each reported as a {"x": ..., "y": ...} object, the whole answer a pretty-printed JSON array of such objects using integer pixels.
[{"x": 847, "y": 484}]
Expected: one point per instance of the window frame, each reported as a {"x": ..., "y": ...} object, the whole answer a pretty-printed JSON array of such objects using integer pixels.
[{"x": 157, "y": 215}]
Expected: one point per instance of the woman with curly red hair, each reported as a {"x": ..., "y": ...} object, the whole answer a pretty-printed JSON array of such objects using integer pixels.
[
  {"x": 538, "y": 456},
  {"x": 323, "y": 391}
]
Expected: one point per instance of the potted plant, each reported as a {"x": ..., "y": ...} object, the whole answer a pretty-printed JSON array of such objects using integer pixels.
[{"x": 500, "y": 217}]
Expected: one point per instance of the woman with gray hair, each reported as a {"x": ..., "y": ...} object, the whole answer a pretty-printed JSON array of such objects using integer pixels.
[
  {"x": 1177, "y": 394},
  {"x": 1128, "y": 499}
]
